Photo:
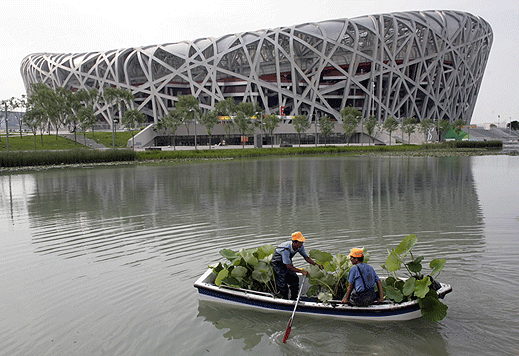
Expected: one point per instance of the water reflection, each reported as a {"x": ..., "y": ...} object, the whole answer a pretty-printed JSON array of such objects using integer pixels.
[
  {"x": 336, "y": 198},
  {"x": 122, "y": 246}
]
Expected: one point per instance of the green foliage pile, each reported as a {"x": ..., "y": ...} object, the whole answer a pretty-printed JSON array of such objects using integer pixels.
[
  {"x": 42, "y": 158},
  {"x": 248, "y": 269},
  {"x": 251, "y": 269},
  {"x": 416, "y": 286}
]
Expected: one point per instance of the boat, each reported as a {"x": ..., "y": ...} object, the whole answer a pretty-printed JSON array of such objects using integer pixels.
[{"x": 238, "y": 297}]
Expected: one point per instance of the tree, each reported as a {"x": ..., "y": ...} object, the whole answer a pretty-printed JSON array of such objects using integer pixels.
[
  {"x": 301, "y": 124},
  {"x": 35, "y": 117},
  {"x": 443, "y": 127},
  {"x": 210, "y": 119},
  {"x": 86, "y": 118},
  {"x": 16, "y": 103},
  {"x": 226, "y": 107},
  {"x": 390, "y": 125},
  {"x": 43, "y": 100},
  {"x": 350, "y": 121},
  {"x": 370, "y": 124},
  {"x": 187, "y": 106},
  {"x": 66, "y": 102},
  {"x": 425, "y": 126},
  {"x": 409, "y": 127},
  {"x": 457, "y": 126},
  {"x": 117, "y": 96},
  {"x": 271, "y": 122},
  {"x": 243, "y": 123},
  {"x": 131, "y": 120},
  {"x": 171, "y": 122},
  {"x": 326, "y": 126}
]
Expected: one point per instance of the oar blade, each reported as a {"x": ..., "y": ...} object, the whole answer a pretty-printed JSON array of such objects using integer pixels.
[{"x": 289, "y": 328}]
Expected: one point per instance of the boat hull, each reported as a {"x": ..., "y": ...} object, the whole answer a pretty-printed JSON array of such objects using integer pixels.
[{"x": 387, "y": 311}]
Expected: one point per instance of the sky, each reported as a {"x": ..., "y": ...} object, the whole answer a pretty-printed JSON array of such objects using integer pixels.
[{"x": 64, "y": 26}]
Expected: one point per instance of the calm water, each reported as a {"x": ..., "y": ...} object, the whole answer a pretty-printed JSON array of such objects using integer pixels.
[{"x": 102, "y": 261}]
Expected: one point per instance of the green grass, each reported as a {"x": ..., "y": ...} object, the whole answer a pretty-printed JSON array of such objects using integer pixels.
[
  {"x": 27, "y": 143},
  {"x": 63, "y": 151},
  {"x": 105, "y": 138}
]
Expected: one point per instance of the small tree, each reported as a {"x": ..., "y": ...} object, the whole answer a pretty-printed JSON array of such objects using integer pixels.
[
  {"x": 210, "y": 119},
  {"x": 457, "y": 127},
  {"x": 131, "y": 120},
  {"x": 243, "y": 123},
  {"x": 35, "y": 117},
  {"x": 86, "y": 119},
  {"x": 118, "y": 97},
  {"x": 370, "y": 124},
  {"x": 171, "y": 122},
  {"x": 425, "y": 126},
  {"x": 443, "y": 128},
  {"x": 409, "y": 127},
  {"x": 326, "y": 126},
  {"x": 271, "y": 122},
  {"x": 390, "y": 125},
  {"x": 301, "y": 124},
  {"x": 350, "y": 121}
]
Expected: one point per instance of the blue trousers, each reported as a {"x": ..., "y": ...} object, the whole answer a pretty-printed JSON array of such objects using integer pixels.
[{"x": 286, "y": 280}]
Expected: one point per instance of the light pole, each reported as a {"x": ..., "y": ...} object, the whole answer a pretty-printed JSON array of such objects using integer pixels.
[
  {"x": 194, "y": 118},
  {"x": 6, "y": 127},
  {"x": 316, "y": 140}
]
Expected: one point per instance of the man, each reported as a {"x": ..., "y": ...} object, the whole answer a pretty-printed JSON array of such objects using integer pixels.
[
  {"x": 362, "y": 279},
  {"x": 284, "y": 270}
]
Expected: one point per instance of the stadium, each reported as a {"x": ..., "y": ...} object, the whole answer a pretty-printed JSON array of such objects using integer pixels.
[{"x": 422, "y": 64}]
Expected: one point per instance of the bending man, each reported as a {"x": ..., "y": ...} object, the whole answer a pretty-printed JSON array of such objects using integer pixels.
[{"x": 284, "y": 270}]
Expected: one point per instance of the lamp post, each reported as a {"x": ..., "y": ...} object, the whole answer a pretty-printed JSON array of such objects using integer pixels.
[
  {"x": 6, "y": 127},
  {"x": 194, "y": 118},
  {"x": 315, "y": 120}
]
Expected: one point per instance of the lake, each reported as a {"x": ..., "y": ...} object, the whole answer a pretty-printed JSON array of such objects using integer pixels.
[{"x": 102, "y": 261}]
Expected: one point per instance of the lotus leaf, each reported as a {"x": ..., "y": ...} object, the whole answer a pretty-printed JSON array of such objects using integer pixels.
[
  {"x": 415, "y": 265},
  {"x": 314, "y": 273},
  {"x": 324, "y": 296},
  {"x": 394, "y": 293},
  {"x": 229, "y": 254},
  {"x": 265, "y": 250},
  {"x": 437, "y": 265},
  {"x": 239, "y": 273},
  {"x": 432, "y": 308},
  {"x": 409, "y": 287},
  {"x": 221, "y": 275},
  {"x": 248, "y": 257},
  {"x": 406, "y": 245},
  {"x": 320, "y": 256},
  {"x": 313, "y": 290},
  {"x": 393, "y": 262},
  {"x": 262, "y": 275},
  {"x": 421, "y": 287}
]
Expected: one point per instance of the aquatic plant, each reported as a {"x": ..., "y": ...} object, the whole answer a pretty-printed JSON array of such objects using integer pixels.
[{"x": 416, "y": 286}]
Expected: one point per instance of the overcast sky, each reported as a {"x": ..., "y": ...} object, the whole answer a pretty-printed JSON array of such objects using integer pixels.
[{"x": 64, "y": 26}]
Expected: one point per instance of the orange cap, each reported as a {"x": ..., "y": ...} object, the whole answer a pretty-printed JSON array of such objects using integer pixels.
[
  {"x": 298, "y": 236},
  {"x": 356, "y": 252}
]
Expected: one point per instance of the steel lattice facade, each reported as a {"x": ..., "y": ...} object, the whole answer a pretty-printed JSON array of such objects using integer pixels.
[{"x": 412, "y": 64}]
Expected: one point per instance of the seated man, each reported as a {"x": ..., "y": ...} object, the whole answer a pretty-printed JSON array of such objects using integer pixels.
[
  {"x": 362, "y": 279},
  {"x": 284, "y": 270}
]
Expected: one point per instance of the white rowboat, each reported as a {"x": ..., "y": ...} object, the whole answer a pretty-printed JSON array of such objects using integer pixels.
[{"x": 387, "y": 310}]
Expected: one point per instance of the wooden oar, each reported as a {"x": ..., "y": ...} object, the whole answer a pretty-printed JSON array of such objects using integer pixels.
[{"x": 289, "y": 326}]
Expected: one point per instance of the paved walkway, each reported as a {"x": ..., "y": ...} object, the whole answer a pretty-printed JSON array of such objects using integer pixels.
[{"x": 81, "y": 139}]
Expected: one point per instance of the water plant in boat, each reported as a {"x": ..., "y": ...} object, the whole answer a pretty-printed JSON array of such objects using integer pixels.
[
  {"x": 247, "y": 269},
  {"x": 332, "y": 281},
  {"x": 417, "y": 285}
]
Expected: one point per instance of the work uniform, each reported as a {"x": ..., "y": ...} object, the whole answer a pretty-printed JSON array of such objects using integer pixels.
[
  {"x": 363, "y": 278},
  {"x": 286, "y": 279}
]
